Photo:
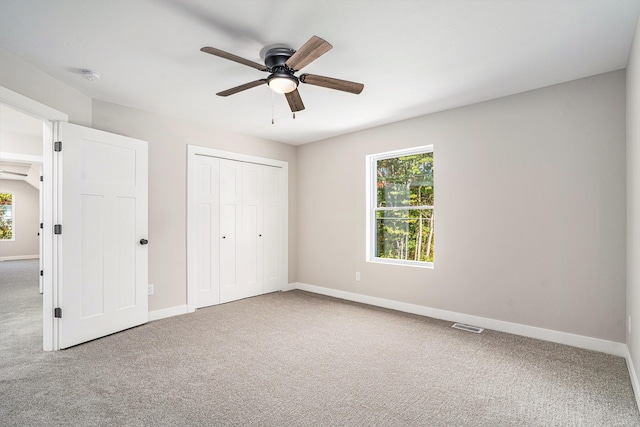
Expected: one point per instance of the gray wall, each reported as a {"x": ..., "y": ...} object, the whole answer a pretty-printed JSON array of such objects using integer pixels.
[
  {"x": 633, "y": 200},
  {"x": 529, "y": 205},
  {"x": 168, "y": 139},
  {"x": 27, "y": 220}
]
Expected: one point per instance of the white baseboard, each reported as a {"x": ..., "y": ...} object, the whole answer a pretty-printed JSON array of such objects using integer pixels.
[
  {"x": 632, "y": 374},
  {"x": 596, "y": 344},
  {"x": 18, "y": 257},
  {"x": 289, "y": 287},
  {"x": 167, "y": 312}
]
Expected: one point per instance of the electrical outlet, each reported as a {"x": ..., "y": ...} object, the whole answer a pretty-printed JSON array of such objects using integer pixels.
[
  {"x": 149, "y": 289},
  {"x": 357, "y": 276}
]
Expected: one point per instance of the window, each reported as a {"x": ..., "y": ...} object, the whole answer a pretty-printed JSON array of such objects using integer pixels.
[
  {"x": 6, "y": 216},
  {"x": 400, "y": 207}
]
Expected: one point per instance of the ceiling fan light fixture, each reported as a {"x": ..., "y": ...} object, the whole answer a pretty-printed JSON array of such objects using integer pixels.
[{"x": 282, "y": 83}]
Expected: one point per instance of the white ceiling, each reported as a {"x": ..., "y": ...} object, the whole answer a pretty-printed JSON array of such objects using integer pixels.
[{"x": 414, "y": 57}]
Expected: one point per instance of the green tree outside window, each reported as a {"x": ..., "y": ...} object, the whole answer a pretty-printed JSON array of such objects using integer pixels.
[
  {"x": 6, "y": 216},
  {"x": 404, "y": 219}
]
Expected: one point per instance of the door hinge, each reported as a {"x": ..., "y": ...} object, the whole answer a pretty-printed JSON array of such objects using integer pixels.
[
  {"x": 42, "y": 272},
  {"x": 57, "y": 313},
  {"x": 57, "y": 229},
  {"x": 57, "y": 146},
  {"x": 41, "y": 225},
  {"x": 41, "y": 178}
]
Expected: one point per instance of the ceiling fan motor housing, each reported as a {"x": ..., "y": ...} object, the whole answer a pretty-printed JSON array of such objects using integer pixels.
[
  {"x": 275, "y": 59},
  {"x": 282, "y": 73},
  {"x": 277, "y": 56}
]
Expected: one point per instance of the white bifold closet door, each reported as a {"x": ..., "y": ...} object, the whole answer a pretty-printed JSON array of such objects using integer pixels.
[{"x": 240, "y": 237}]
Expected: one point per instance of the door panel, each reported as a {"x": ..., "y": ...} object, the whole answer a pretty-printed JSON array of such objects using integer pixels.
[
  {"x": 102, "y": 207},
  {"x": 204, "y": 261},
  {"x": 272, "y": 234},
  {"x": 250, "y": 261},
  {"x": 230, "y": 220},
  {"x": 208, "y": 235},
  {"x": 92, "y": 256},
  {"x": 125, "y": 254}
]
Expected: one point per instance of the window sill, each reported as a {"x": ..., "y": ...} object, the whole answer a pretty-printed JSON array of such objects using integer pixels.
[{"x": 404, "y": 263}]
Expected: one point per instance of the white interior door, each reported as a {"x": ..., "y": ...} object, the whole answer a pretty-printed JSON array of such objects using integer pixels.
[
  {"x": 101, "y": 254},
  {"x": 207, "y": 257},
  {"x": 272, "y": 236},
  {"x": 230, "y": 222},
  {"x": 252, "y": 248},
  {"x": 41, "y": 236}
]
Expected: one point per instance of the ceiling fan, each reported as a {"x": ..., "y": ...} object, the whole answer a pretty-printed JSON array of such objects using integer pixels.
[{"x": 282, "y": 63}]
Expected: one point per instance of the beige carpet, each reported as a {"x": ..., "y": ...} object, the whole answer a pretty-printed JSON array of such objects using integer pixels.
[{"x": 297, "y": 359}]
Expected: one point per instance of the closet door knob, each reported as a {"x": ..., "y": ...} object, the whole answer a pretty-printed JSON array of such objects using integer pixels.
[
  {"x": 259, "y": 235},
  {"x": 143, "y": 242},
  {"x": 224, "y": 237}
]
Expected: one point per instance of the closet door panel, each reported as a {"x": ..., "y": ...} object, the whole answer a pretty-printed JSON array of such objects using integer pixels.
[
  {"x": 272, "y": 234},
  {"x": 230, "y": 232},
  {"x": 252, "y": 207},
  {"x": 208, "y": 225}
]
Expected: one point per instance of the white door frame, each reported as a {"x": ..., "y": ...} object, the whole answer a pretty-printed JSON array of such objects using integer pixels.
[
  {"x": 192, "y": 152},
  {"x": 49, "y": 116}
]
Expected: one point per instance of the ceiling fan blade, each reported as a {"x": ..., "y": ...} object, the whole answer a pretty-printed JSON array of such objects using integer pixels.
[
  {"x": 294, "y": 100},
  {"x": 242, "y": 87},
  {"x": 13, "y": 173},
  {"x": 331, "y": 83},
  {"x": 313, "y": 49},
  {"x": 232, "y": 57}
]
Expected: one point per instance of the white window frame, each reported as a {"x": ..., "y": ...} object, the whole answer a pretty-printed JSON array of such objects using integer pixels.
[
  {"x": 371, "y": 206},
  {"x": 13, "y": 217}
]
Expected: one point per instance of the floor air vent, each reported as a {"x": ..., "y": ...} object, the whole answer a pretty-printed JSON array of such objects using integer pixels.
[{"x": 467, "y": 328}]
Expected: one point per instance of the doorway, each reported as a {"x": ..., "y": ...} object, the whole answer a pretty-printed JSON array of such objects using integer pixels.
[
  {"x": 21, "y": 138},
  {"x": 96, "y": 173},
  {"x": 20, "y": 170},
  {"x": 14, "y": 102}
]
